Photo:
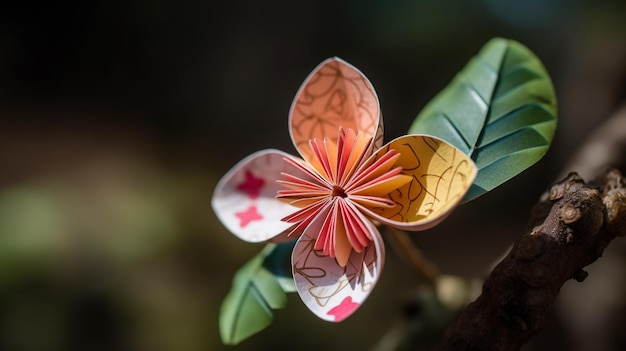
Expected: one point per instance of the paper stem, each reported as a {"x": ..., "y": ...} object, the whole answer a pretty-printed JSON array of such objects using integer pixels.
[{"x": 402, "y": 243}]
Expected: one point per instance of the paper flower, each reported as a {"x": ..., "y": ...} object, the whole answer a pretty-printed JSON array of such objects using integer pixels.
[{"x": 345, "y": 182}]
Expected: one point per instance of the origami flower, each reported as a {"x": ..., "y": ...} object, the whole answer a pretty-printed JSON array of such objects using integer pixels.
[{"x": 345, "y": 182}]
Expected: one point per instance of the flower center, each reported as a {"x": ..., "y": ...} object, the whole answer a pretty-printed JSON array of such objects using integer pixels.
[
  {"x": 332, "y": 172},
  {"x": 338, "y": 191}
]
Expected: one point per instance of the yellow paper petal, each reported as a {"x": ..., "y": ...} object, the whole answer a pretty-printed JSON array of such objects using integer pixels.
[{"x": 441, "y": 175}]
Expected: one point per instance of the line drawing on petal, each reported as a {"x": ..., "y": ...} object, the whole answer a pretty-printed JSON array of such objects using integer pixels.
[
  {"x": 440, "y": 178},
  {"x": 415, "y": 155},
  {"x": 434, "y": 148},
  {"x": 460, "y": 174},
  {"x": 319, "y": 293}
]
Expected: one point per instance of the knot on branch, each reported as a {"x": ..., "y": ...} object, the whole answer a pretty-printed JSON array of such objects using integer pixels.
[
  {"x": 569, "y": 214},
  {"x": 615, "y": 202},
  {"x": 571, "y": 210}
]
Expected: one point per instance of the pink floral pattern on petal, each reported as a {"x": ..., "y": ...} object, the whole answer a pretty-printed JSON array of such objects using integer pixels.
[
  {"x": 344, "y": 309},
  {"x": 252, "y": 185},
  {"x": 248, "y": 215},
  {"x": 323, "y": 284},
  {"x": 252, "y": 182}
]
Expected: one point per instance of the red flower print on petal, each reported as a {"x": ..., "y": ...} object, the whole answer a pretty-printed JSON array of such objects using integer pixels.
[
  {"x": 250, "y": 214},
  {"x": 344, "y": 309},
  {"x": 252, "y": 185}
]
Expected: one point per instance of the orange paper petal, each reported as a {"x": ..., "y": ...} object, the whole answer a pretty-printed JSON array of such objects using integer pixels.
[{"x": 335, "y": 94}]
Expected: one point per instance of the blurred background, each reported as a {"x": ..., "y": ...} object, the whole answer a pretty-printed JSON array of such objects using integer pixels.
[{"x": 118, "y": 117}]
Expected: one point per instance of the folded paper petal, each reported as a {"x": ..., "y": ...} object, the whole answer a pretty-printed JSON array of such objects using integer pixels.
[
  {"x": 330, "y": 291},
  {"x": 441, "y": 175},
  {"x": 245, "y": 198},
  {"x": 335, "y": 94}
]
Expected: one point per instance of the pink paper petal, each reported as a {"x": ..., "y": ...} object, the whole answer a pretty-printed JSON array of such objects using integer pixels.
[
  {"x": 244, "y": 199},
  {"x": 335, "y": 94},
  {"x": 356, "y": 228},
  {"x": 333, "y": 292},
  {"x": 373, "y": 168},
  {"x": 354, "y": 149}
]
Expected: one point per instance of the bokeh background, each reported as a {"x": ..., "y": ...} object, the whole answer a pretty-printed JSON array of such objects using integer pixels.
[{"x": 118, "y": 117}]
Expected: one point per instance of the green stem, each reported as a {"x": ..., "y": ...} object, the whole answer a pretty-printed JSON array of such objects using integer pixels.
[{"x": 403, "y": 244}]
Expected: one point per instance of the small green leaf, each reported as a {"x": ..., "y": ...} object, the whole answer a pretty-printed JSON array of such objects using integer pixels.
[
  {"x": 258, "y": 287},
  {"x": 279, "y": 263},
  {"x": 500, "y": 110}
]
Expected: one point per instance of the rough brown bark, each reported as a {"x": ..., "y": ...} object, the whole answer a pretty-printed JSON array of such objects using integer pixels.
[{"x": 569, "y": 230}]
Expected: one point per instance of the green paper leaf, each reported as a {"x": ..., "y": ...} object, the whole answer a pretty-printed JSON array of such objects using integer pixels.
[
  {"x": 258, "y": 287},
  {"x": 279, "y": 263},
  {"x": 500, "y": 110}
]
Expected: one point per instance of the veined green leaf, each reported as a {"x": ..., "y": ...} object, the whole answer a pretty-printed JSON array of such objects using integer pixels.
[
  {"x": 258, "y": 287},
  {"x": 500, "y": 110}
]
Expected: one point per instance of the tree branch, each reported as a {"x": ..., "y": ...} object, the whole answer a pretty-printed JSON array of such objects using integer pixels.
[{"x": 570, "y": 230}]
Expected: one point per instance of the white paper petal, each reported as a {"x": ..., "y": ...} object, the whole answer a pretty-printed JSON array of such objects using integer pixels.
[
  {"x": 330, "y": 291},
  {"x": 244, "y": 199}
]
